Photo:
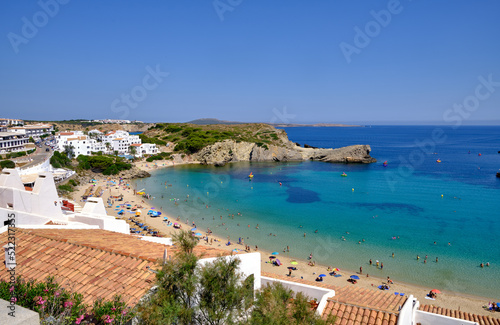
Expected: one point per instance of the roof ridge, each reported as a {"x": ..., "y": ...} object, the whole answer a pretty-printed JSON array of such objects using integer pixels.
[{"x": 91, "y": 246}]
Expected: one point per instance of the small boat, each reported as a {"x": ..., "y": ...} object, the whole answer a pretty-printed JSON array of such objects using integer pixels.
[
  {"x": 343, "y": 175},
  {"x": 479, "y": 154},
  {"x": 438, "y": 161},
  {"x": 498, "y": 174},
  {"x": 385, "y": 163},
  {"x": 250, "y": 176}
]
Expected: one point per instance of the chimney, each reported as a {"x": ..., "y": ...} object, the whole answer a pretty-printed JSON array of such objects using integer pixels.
[
  {"x": 10, "y": 256},
  {"x": 165, "y": 256}
]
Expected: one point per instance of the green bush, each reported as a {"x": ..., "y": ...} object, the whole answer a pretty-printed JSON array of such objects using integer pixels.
[
  {"x": 59, "y": 160},
  {"x": 172, "y": 128},
  {"x": 18, "y": 154},
  {"x": 108, "y": 165},
  {"x": 160, "y": 156},
  {"x": 51, "y": 300},
  {"x": 65, "y": 188},
  {"x": 146, "y": 139},
  {"x": 73, "y": 182},
  {"x": 7, "y": 164}
]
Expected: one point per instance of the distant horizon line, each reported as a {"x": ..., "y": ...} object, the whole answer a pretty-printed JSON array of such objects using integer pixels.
[{"x": 349, "y": 123}]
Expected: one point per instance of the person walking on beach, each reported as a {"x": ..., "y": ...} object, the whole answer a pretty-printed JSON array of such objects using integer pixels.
[
  {"x": 436, "y": 259},
  {"x": 370, "y": 261},
  {"x": 360, "y": 270},
  {"x": 381, "y": 266}
]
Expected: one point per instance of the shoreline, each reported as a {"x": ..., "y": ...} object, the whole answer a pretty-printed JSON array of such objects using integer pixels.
[{"x": 449, "y": 299}]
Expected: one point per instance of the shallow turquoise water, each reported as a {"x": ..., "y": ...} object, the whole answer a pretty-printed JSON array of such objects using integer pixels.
[{"x": 367, "y": 205}]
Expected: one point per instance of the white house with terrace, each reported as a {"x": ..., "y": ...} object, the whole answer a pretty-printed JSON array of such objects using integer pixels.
[
  {"x": 40, "y": 205},
  {"x": 144, "y": 149},
  {"x": 80, "y": 143},
  {"x": 33, "y": 130},
  {"x": 115, "y": 141},
  {"x": 12, "y": 142}
]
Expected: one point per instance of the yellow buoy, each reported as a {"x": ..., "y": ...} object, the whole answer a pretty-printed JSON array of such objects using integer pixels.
[
  {"x": 442, "y": 195},
  {"x": 353, "y": 189}
]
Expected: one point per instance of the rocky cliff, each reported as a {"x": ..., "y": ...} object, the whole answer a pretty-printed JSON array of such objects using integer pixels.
[{"x": 227, "y": 151}]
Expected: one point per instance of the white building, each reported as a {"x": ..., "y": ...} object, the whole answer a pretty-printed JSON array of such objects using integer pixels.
[
  {"x": 12, "y": 142},
  {"x": 81, "y": 144},
  {"x": 11, "y": 122},
  {"x": 40, "y": 205},
  {"x": 121, "y": 140},
  {"x": 145, "y": 149},
  {"x": 34, "y": 130}
]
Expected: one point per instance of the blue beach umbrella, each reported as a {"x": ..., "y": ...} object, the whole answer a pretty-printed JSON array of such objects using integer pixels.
[
  {"x": 322, "y": 275},
  {"x": 198, "y": 234},
  {"x": 355, "y": 277},
  {"x": 194, "y": 229},
  {"x": 275, "y": 253}
]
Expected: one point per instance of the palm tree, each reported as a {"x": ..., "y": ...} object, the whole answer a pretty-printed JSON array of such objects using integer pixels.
[{"x": 132, "y": 150}]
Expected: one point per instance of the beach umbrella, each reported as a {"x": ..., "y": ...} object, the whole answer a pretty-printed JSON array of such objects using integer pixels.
[
  {"x": 435, "y": 291},
  {"x": 294, "y": 263},
  {"x": 275, "y": 253},
  {"x": 278, "y": 262},
  {"x": 355, "y": 277},
  {"x": 322, "y": 275},
  {"x": 272, "y": 256},
  {"x": 198, "y": 234},
  {"x": 291, "y": 267},
  {"x": 194, "y": 229},
  {"x": 336, "y": 269}
]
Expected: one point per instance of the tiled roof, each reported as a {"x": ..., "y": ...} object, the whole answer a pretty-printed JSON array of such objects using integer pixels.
[
  {"x": 483, "y": 320},
  {"x": 136, "y": 144},
  {"x": 66, "y": 133},
  {"x": 354, "y": 295},
  {"x": 94, "y": 262},
  {"x": 356, "y": 305},
  {"x": 370, "y": 298},
  {"x": 355, "y": 315}
]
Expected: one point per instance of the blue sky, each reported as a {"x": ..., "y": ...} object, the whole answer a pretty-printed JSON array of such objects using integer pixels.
[{"x": 370, "y": 62}]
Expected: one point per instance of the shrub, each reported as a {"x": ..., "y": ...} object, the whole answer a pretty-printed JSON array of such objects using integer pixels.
[
  {"x": 7, "y": 164},
  {"x": 65, "y": 188},
  {"x": 57, "y": 305},
  {"x": 108, "y": 165}
]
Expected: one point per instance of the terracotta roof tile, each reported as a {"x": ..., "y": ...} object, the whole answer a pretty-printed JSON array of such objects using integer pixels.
[{"x": 460, "y": 315}]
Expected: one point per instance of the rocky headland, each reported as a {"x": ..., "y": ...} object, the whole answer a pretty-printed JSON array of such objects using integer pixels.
[{"x": 228, "y": 151}]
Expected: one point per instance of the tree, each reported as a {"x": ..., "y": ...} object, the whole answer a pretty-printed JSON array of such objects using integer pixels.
[
  {"x": 278, "y": 305},
  {"x": 69, "y": 151},
  {"x": 189, "y": 294},
  {"x": 185, "y": 240},
  {"x": 132, "y": 150}
]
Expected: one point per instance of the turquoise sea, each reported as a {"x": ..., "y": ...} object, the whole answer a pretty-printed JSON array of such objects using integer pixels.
[{"x": 402, "y": 208}]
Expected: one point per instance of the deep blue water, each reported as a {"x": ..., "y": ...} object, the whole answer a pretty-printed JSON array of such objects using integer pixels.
[{"x": 402, "y": 208}]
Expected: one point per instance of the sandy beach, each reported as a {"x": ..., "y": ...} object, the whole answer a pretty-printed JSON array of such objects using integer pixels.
[{"x": 451, "y": 300}]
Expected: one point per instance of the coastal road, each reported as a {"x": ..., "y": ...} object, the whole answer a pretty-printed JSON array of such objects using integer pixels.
[{"x": 38, "y": 157}]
